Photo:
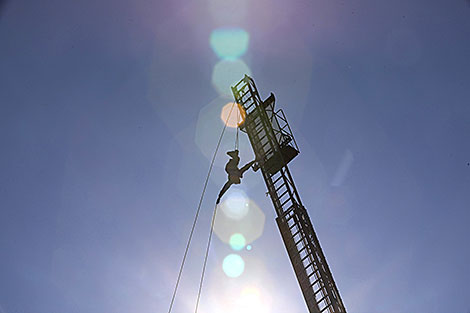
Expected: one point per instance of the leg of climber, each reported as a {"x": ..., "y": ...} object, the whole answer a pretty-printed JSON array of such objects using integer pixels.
[{"x": 224, "y": 190}]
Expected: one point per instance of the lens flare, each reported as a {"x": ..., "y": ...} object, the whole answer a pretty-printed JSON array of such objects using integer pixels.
[
  {"x": 251, "y": 301},
  {"x": 237, "y": 205},
  {"x": 238, "y": 216},
  {"x": 227, "y": 73},
  {"x": 229, "y": 43},
  {"x": 233, "y": 265},
  {"x": 208, "y": 130},
  {"x": 237, "y": 242},
  {"x": 236, "y": 112}
]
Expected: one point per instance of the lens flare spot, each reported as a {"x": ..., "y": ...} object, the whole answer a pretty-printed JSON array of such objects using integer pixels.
[
  {"x": 233, "y": 265},
  {"x": 249, "y": 247},
  {"x": 233, "y": 114},
  {"x": 238, "y": 218},
  {"x": 227, "y": 73},
  {"x": 229, "y": 43},
  {"x": 205, "y": 136},
  {"x": 236, "y": 206},
  {"x": 237, "y": 242}
]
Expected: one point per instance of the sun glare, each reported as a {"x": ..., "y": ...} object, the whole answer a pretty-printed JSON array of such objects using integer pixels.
[
  {"x": 239, "y": 215},
  {"x": 236, "y": 206},
  {"x": 250, "y": 301},
  {"x": 236, "y": 112}
]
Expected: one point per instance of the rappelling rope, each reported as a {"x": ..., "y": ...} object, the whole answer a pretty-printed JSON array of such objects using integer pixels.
[
  {"x": 194, "y": 225},
  {"x": 205, "y": 259}
]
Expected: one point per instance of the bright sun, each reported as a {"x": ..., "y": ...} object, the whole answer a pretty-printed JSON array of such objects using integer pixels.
[{"x": 250, "y": 301}]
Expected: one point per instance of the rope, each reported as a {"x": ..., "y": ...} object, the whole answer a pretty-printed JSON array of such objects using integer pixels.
[
  {"x": 205, "y": 258},
  {"x": 194, "y": 225}
]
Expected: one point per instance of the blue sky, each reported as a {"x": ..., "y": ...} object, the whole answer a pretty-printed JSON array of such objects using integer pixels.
[{"x": 109, "y": 114}]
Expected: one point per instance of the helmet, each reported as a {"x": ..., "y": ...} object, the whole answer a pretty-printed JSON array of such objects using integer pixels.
[{"x": 233, "y": 154}]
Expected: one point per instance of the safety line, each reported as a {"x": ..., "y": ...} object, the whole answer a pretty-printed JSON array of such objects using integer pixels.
[
  {"x": 205, "y": 258},
  {"x": 194, "y": 225}
]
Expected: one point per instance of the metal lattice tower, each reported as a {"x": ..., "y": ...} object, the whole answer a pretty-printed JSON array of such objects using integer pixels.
[{"x": 274, "y": 147}]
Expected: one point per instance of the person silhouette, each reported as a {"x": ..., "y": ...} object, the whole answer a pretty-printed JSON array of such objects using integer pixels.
[{"x": 234, "y": 173}]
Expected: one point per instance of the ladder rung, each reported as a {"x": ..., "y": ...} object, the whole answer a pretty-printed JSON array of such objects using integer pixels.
[
  {"x": 287, "y": 190},
  {"x": 301, "y": 238},
  {"x": 270, "y": 150},
  {"x": 239, "y": 88},
  {"x": 244, "y": 94},
  {"x": 314, "y": 269},
  {"x": 299, "y": 251},
  {"x": 249, "y": 98},
  {"x": 279, "y": 187},
  {"x": 275, "y": 190},
  {"x": 256, "y": 124},
  {"x": 319, "y": 289},
  {"x": 302, "y": 259},
  {"x": 240, "y": 82},
  {"x": 258, "y": 146},
  {"x": 280, "y": 176},
  {"x": 288, "y": 219},
  {"x": 295, "y": 224},
  {"x": 287, "y": 212},
  {"x": 285, "y": 202},
  {"x": 245, "y": 103},
  {"x": 247, "y": 107},
  {"x": 266, "y": 143},
  {"x": 259, "y": 128},
  {"x": 315, "y": 282},
  {"x": 253, "y": 117},
  {"x": 260, "y": 134},
  {"x": 261, "y": 149},
  {"x": 324, "y": 297},
  {"x": 311, "y": 274},
  {"x": 296, "y": 233},
  {"x": 326, "y": 307}
]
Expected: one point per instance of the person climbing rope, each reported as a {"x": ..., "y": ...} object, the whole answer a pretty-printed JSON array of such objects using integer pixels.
[{"x": 234, "y": 173}]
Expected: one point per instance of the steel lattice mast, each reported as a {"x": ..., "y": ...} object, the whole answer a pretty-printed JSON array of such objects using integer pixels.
[{"x": 274, "y": 147}]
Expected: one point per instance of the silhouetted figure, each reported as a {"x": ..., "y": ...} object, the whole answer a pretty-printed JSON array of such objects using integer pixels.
[{"x": 234, "y": 173}]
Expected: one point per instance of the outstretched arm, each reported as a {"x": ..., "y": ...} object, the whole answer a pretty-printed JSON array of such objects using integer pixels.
[{"x": 247, "y": 167}]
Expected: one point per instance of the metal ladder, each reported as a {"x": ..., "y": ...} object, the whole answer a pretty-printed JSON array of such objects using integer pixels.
[{"x": 302, "y": 245}]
